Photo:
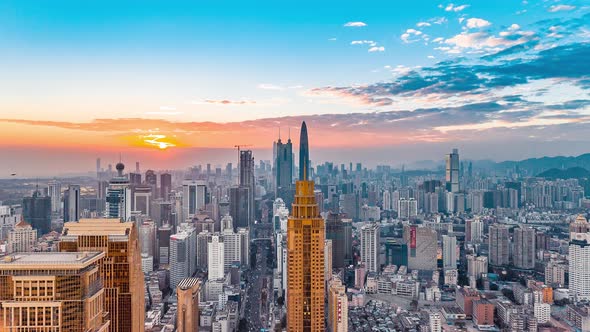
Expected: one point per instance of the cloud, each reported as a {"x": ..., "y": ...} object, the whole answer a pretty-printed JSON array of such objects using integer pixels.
[
  {"x": 477, "y": 23},
  {"x": 267, "y": 86},
  {"x": 422, "y": 24},
  {"x": 355, "y": 24},
  {"x": 438, "y": 20},
  {"x": 514, "y": 27},
  {"x": 332, "y": 39},
  {"x": 377, "y": 49},
  {"x": 363, "y": 42},
  {"x": 229, "y": 102},
  {"x": 560, "y": 8},
  {"x": 406, "y": 36},
  {"x": 452, "y": 8}
]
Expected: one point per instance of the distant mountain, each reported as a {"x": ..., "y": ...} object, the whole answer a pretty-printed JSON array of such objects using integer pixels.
[
  {"x": 539, "y": 165},
  {"x": 570, "y": 173}
]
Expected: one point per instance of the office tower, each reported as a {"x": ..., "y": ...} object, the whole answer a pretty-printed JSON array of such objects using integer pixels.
[
  {"x": 164, "y": 233},
  {"x": 473, "y": 230},
  {"x": 134, "y": 179},
  {"x": 244, "y": 245},
  {"x": 579, "y": 260},
  {"x": 21, "y": 238},
  {"x": 232, "y": 245},
  {"x": 337, "y": 307},
  {"x": 328, "y": 260},
  {"x": 165, "y": 185},
  {"x": 239, "y": 206},
  {"x": 183, "y": 258},
  {"x": 449, "y": 252},
  {"x": 98, "y": 170},
  {"x": 396, "y": 253},
  {"x": 370, "y": 247},
  {"x": 54, "y": 191},
  {"x": 476, "y": 266},
  {"x": 247, "y": 186},
  {"x": 305, "y": 247},
  {"x": 524, "y": 248},
  {"x": 120, "y": 268},
  {"x": 118, "y": 197},
  {"x": 52, "y": 291},
  {"x": 193, "y": 198},
  {"x": 422, "y": 247},
  {"x": 215, "y": 256},
  {"x": 499, "y": 244},
  {"x": 452, "y": 171},
  {"x": 386, "y": 200},
  {"x": 151, "y": 180},
  {"x": 37, "y": 212},
  {"x": 188, "y": 296},
  {"x": 336, "y": 230},
  {"x": 72, "y": 203},
  {"x": 147, "y": 239},
  {"x": 283, "y": 166},
  {"x": 407, "y": 208},
  {"x": 142, "y": 199}
]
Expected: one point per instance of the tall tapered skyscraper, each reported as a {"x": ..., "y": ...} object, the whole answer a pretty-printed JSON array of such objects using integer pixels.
[{"x": 305, "y": 259}]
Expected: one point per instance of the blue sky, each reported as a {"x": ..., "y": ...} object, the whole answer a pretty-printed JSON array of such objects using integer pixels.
[{"x": 431, "y": 71}]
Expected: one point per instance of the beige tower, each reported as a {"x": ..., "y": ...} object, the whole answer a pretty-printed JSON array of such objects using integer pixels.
[
  {"x": 52, "y": 291},
  {"x": 187, "y": 293},
  {"x": 337, "y": 306},
  {"x": 120, "y": 268}
]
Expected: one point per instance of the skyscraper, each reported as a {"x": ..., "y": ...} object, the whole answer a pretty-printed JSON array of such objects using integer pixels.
[
  {"x": 337, "y": 307},
  {"x": 37, "y": 212},
  {"x": 72, "y": 203},
  {"x": 524, "y": 248},
  {"x": 449, "y": 252},
  {"x": 215, "y": 256},
  {"x": 52, "y": 291},
  {"x": 21, "y": 238},
  {"x": 452, "y": 171},
  {"x": 54, "y": 191},
  {"x": 422, "y": 247},
  {"x": 187, "y": 293},
  {"x": 283, "y": 166},
  {"x": 499, "y": 244},
  {"x": 120, "y": 268},
  {"x": 336, "y": 230},
  {"x": 118, "y": 197},
  {"x": 305, "y": 247},
  {"x": 579, "y": 260},
  {"x": 193, "y": 198},
  {"x": 370, "y": 247},
  {"x": 165, "y": 185},
  {"x": 247, "y": 180}
]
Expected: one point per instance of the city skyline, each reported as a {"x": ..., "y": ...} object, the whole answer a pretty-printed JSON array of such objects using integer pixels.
[{"x": 161, "y": 83}]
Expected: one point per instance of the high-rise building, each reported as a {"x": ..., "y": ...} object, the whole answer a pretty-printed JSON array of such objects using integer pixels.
[
  {"x": 118, "y": 196},
  {"x": 247, "y": 180},
  {"x": 193, "y": 198},
  {"x": 452, "y": 171},
  {"x": 305, "y": 250},
  {"x": 407, "y": 208},
  {"x": 183, "y": 258},
  {"x": 524, "y": 247},
  {"x": 386, "y": 200},
  {"x": 239, "y": 206},
  {"x": 476, "y": 266},
  {"x": 151, "y": 180},
  {"x": 188, "y": 295},
  {"x": 53, "y": 291},
  {"x": 449, "y": 252},
  {"x": 579, "y": 260},
  {"x": 21, "y": 238},
  {"x": 422, "y": 247},
  {"x": 283, "y": 166},
  {"x": 215, "y": 256},
  {"x": 165, "y": 185},
  {"x": 37, "y": 212},
  {"x": 54, "y": 191},
  {"x": 370, "y": 247},
  {"x": 435, "y": 322},
  {"x": 499, "y": 244},
  {"x": 337, "y": 231},
  {"x": 120, "y": 268},
  {"x": 337, "y": 307},
  {"x": 328, "y": 260},
  {"x": 72, "y": 203}
]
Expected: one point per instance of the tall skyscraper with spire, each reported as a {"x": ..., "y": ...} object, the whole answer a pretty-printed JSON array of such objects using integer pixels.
[
  {"x": 283, "y": 166},
  {"x": 305, "y": 256}
]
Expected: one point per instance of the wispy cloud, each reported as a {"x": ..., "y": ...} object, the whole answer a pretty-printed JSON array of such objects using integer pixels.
[
  {"x": 268, "y": 86},
  {"x": 454, "y": 8},
  {"x": 377, "y": 49},
  {"x": 355, "y": 24},
  {"x": 406, "y": 37},
  {"x": 229, "y": 102},
  {"x": 560, "y": 8},
  {"x": 423, "y": 24},
  {"x": 363, "y": 42}
]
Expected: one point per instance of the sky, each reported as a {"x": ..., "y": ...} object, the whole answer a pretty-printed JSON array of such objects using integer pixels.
[{"x": 176, "y": 83}]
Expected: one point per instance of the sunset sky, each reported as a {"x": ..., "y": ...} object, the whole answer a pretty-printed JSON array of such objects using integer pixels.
[{"x": 175, "y": 83}]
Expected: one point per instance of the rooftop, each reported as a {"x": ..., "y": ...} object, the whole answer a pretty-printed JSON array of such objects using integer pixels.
[
  {"x": 49, "y": 260},
  {"x": 110, "y": 226}
]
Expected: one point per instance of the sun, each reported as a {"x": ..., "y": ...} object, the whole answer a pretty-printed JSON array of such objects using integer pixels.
[{"x": 157, "y": 141}]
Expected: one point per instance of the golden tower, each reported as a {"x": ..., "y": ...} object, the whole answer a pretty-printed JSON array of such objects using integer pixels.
[{"x": 305, "y": 260}]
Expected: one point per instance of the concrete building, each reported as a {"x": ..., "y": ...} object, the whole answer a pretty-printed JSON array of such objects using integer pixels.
[
  {"x": 21, "y": 238},
  {"x": 52, "y": 292},
  {"x": 524, "y": 248},
  {"x": 476, "y": 266},
  {"x": 120, "y": 268},
  {"x": 337, "y": 307},
  {"x": 193, "y": 198},
  {"x": 215, "y": 256},
  {"x": 422, "y": 247},
  {"x": 449, "y": 252},
  {"x": 499, "y": 245},
  {"x": 370, "y": 239},
  {"x": 579, "y": 260},
  {"x": 118, "y": 196}
]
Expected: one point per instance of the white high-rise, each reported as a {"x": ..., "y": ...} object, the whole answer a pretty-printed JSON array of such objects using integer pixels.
[
  {"x": 449, "y": 252},
  {"x": 579, "y": 260},
  {"x": 407, "y": 208},
  {"x": 54, "y": 191},
  {"x": 21, "y": 238},
  {"x": 386, "y": 200},
  {"x": 370, "y": 247},
  {"x": 476, "y": 266},
  {"x": 183, "y": 254},
  {"x": 216, "y": 256},
  {"x": 232, "y": 248}
]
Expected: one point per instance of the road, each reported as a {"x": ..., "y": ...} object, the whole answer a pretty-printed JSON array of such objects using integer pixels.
[{"x": 258, "y": 290}]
